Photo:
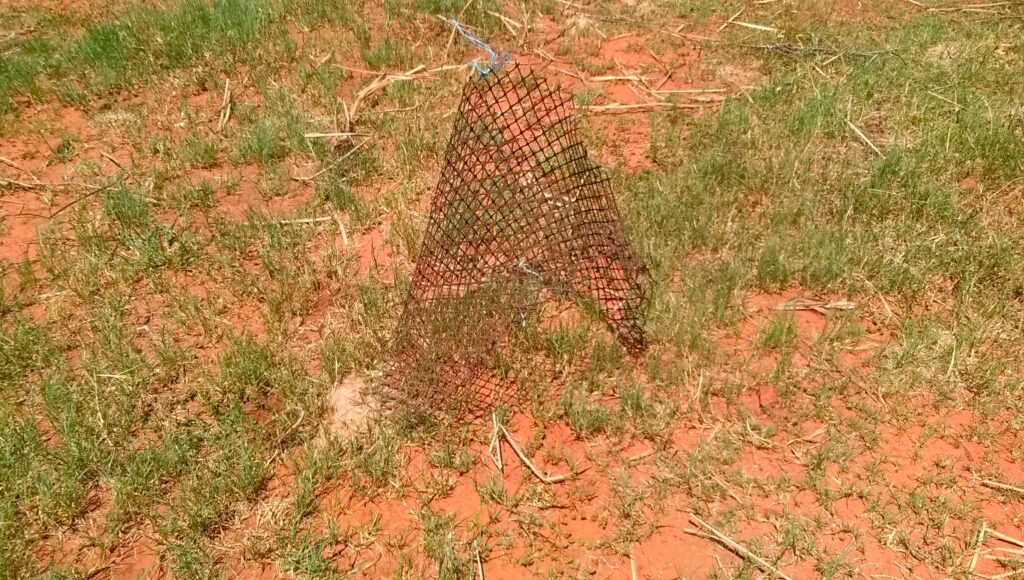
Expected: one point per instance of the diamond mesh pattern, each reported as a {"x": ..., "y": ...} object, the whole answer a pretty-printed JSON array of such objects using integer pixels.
[{"x": 520, "y": 215}]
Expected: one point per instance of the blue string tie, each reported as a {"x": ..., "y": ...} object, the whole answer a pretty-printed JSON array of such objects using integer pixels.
[{"x": 497, "y": 59}]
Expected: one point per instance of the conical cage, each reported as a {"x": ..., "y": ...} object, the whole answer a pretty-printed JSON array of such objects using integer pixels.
[{"x": 520, "y": 214}]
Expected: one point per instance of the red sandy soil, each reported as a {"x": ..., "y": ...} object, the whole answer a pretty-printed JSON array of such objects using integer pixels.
[
  {"x": 627, "y": 139},
  {"x": 579, "y": 515}
]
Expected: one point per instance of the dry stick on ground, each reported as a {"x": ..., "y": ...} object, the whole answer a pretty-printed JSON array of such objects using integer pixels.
[
  {"x": 639, "y": 456},
  {"x": 5, "y": 180},
  {"x": 10, "y": 163},
  {"x": 1010, "y": 574},
  {"x": 495, "y": 447},
  {"x": 332, "y": 165},
  {"x": 753, "y": 26},
  {"x": 479, "y": 564},
  {"x": 619, "y": 108},
  {"x": 613, "y": 78},
  {"x": 812, "y": 438},
  {"x": 21, "y": 184},
  {"x": 968, "y": 7},
  {"x": 341, "y": 228},
  {"x": 729, "y": 21},
  {"x": 544, "y": 54},
  {"x": 1004, "y": 550},
  {"x": 977, "y": 548},
  {"x": 1002, "y": 486},
  {"x": 111, "y": 159},
  {"x": 377, "y": 84},
  {"x": 819, "y": 306},
  {"x": 687, "y": 91},
  {"x": 339, "y": 134},
  {"x": 299, "y": 221},
  {"x": 865, "y": 139},
  {"x": 382, "y": 81},
  {"x": 570, "y": 73},
  {"x": 668, "y": 76},
  {"x": 511, "y": 25},
  {"x": 738, "y": 549},
  {"x": 225, "y": 106},
  {"x": 727, "y": 489},
  {"x": 526, "y": 460},
  {"x": 96, "y": 189},
  {"x": 1005, "y": 538}
]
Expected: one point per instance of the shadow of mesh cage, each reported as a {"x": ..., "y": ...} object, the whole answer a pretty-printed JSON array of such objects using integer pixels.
[{"x": 521, "y": 215}]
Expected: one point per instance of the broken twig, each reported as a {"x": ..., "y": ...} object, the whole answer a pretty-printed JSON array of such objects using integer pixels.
[
  {"x": 339, "y": 135},
  {"x": 618, "y": 108},
  {"x": 865, "y": 139},
  {"x": 739, "y": 549},
  {"x": 1002, "y": 486},
  {"x": 1005, "y": 538},
  {"x": 977, "y": 547},
  {"x": 495, "y": 447},
  {"x": 332, "y": 165},
  {"x": 299, "y": 221},
  {"x": 526, "y": 460},
  {"x": 225, "y": 106},
  {"x": 819, "y": 306}
]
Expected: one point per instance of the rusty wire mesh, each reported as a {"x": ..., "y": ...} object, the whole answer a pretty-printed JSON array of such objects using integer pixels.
[{"x": 520, "y": 216}]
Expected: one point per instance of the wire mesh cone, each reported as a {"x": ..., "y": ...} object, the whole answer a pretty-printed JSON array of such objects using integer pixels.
[{"x": 520, "y": 214}]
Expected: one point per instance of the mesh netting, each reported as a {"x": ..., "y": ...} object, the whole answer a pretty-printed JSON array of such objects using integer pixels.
[{"x": 521, "y": 216}]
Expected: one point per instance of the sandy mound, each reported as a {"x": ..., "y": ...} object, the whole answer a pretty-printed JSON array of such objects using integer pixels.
[{"x": 349, "y": 407}]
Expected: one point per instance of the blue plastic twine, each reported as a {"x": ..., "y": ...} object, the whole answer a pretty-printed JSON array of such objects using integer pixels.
[{"x": 497, "y": 59}]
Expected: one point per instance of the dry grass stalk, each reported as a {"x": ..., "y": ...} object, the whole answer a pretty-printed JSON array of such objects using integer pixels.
[
  {"x": 687, "y": 91},
  {"x": 332, "y": 165},
  {"x": 1002, "y": 486},
  {"x": 338, "y": 135},
  {"x": 94, "y": 191},
  {"x": 512, "y": 26},
  {"x": 570, "y": 73},
  {"x": 739, "y": 549},
  {"x": 16, "y": 183},
  {"x": 1005, "y": 538},
  {"x": 639, "y": 456},
  {"x": 613, "y": 78},
  {"x": 526, "y": 461},
  {"x": 819, "y": 306},
  {"x": 977, "y": 548},
  {"x": 495, "y": 447},
  {"x": 479, "y": 565},
  {"x": 1010, "y": 574},
  {"x": 730, "y": 20},
  {"x": 984, "y": 8},
  {"x": 300, "y": 221},
  {"x": 225, "y": 106},
  {"x": 10, "y": 163},
  {"x": 544, "y": 54},
  {"x": 860, "y": 134},
  {"x": 753, "y": 26},
  {"x": 619, "y": 108},
  {"x": 378, "y": 84}
]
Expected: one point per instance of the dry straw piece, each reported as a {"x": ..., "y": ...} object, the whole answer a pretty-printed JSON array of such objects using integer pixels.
[{"x": 521, "y": 217}]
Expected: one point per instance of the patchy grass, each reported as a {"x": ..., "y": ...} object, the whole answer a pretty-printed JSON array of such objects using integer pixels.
[{"x": 187, "y": 276}]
